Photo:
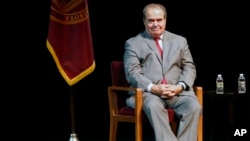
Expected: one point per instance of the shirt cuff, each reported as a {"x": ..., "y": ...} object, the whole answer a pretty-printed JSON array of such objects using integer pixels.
[
  {"x": 183, "y": 85},
  {"x": 149, "y": 87}
]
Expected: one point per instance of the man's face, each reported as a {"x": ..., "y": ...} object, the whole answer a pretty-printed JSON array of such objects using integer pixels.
[{"x": 155, "y": 22}]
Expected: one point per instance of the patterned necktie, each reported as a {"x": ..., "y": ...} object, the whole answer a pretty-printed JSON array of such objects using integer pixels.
[
  {"x": 158, "y": 46},
  {"x": 164, "y": 81}
]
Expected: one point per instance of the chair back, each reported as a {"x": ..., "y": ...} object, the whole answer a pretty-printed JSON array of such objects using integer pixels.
[
  {"x": 119, "y": 79},
  {"x": 118, "y": 74}
]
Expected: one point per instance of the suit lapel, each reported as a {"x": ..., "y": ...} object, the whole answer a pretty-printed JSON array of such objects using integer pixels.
[
  {"x": 166, "y": 49},
  {"x": 152, "y": 46}
]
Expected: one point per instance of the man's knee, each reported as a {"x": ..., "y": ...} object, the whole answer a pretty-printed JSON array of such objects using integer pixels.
[{"x": 130, "y": 101}]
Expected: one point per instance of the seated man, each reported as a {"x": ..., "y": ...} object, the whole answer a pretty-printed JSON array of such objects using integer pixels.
[{"x": 165, "y": 71}]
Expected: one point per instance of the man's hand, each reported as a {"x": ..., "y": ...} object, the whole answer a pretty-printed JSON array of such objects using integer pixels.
[{"x": 166, "y": 90}]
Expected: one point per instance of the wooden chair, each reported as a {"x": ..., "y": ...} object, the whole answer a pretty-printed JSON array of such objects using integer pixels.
[{"x": 120, "y": 112}]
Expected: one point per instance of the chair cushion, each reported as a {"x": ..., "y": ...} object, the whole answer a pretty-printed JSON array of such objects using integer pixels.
[{"x": 131, "y": 112}]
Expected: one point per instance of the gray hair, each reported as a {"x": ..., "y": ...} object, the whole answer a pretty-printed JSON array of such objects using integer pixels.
[{"x": 154, "y": 5}]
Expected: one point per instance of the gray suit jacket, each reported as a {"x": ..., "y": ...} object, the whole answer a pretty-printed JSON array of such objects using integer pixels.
[{"x": 143, "y": 64}]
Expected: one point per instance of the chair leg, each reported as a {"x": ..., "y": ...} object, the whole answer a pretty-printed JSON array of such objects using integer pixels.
[
  {"x": 113, "y": 130},
  {"x": 138, "y": 131},
  {"x": 200, "y": 129}
]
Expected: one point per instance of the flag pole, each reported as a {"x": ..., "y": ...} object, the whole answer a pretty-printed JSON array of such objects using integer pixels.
[
  {"x": 70, "y": 20},
  {"x": 73, "y": 135}
]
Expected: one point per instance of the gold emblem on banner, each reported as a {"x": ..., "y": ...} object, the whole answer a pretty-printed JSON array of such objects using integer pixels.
[{"x": 69, "y": 11}]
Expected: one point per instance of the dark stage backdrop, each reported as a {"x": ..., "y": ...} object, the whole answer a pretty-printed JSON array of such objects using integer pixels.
[{"x": 37, "y": 97}]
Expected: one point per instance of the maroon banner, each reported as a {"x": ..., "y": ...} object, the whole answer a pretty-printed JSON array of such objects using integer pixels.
[{"x": 69, "y": 39}]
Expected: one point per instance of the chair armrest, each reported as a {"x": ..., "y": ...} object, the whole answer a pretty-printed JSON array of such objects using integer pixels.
[
  {"x": 113, "y": 91},
  {"x": 199, "y": 93}
]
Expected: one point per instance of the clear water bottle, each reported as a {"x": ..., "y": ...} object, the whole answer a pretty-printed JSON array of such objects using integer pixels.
[
  {"x": 241, "y": 84},
  {"x": 219, "y": 84}
]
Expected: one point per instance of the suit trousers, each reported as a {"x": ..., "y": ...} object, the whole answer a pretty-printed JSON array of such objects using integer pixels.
[{"x": 186, "y": 107}]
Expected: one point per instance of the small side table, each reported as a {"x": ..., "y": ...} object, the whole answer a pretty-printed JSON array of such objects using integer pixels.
[{"x": 224, "y": 113}]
